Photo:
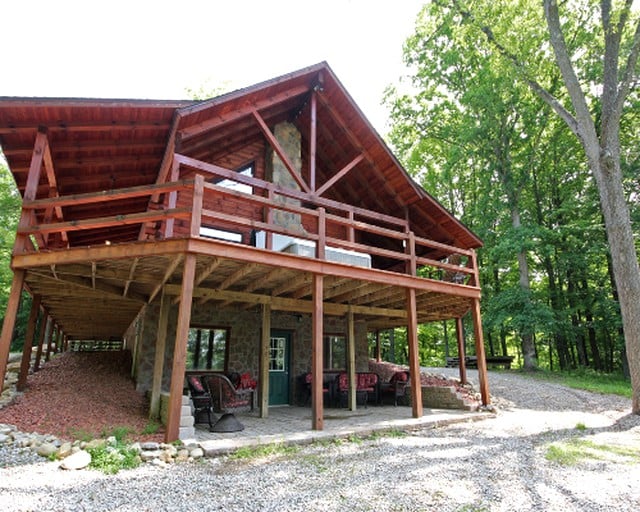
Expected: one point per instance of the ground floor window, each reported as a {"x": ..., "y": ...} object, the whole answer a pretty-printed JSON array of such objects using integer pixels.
[
  {"x": 207, "y": 348},
  {"x": 335, "y": 352}
]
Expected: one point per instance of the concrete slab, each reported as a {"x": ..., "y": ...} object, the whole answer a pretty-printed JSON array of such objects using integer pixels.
[{"x": 292, "y": 425}]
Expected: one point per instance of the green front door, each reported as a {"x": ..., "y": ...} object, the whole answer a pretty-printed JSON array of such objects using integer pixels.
[{"x": 279, "y": 368}]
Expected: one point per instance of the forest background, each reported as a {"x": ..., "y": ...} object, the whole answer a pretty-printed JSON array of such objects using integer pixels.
[{"x": 470, "y": 129}]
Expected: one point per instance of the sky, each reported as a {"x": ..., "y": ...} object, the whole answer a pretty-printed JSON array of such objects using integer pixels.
[{"x": 162, "y": 49}]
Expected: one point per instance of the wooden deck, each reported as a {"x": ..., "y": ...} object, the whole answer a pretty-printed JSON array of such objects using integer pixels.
[{"x": 95, "y": 292}]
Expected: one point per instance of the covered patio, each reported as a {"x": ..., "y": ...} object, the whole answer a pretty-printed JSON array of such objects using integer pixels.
[{"x": 290, "y": 425}]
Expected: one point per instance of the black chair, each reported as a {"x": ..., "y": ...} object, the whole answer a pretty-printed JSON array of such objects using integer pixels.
[{"x": 200, "y": 397}]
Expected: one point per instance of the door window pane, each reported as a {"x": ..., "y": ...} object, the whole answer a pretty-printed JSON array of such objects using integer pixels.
[{"x": 277, "y": 354}]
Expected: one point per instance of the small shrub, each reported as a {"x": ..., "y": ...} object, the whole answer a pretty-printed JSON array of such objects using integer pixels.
[
  {"x": 151, "y": 427},
  {"x": 581, "y": 426},
  {"x": 110, "y": 459}
]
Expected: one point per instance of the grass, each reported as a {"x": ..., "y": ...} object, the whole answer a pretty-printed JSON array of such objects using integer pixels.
[
  {"x": 574, "y": 451},
  {"x": 588, "y": 380},
  {"x": 151, "y": 427},
  {"x": 266, "y": 450}
]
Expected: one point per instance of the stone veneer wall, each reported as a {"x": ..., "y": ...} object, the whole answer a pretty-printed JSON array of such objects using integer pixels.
[
  {"x": 290, "y": 141},
  {"x": 244, "y": 343}
]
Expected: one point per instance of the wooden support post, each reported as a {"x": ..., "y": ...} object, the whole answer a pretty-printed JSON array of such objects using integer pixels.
[
  {"x": 317, "y": 319},
  {"x": 351, "y": 366},
  {"x": 461, "y": 350},
  {"x": 173, "y": 197},
  {"x": 482, "y": 362},
  {"x": 313, "y": 140},
  {"x": 180, "y": 349},
  {"x": 265, "y": 345},
  {"x": 414, "y": 355},
  {"x": 196, "y": 209},
  {"x": 44, "y": 333},
  {"x": 28, "y": 343},
  {"x": 158, "y": 362},
  {"x": 322, "y": 234},
  {"x": 9, "y": 323},
  {"x": 378, "y": 347},
  {"x": 53, "y": 333}
]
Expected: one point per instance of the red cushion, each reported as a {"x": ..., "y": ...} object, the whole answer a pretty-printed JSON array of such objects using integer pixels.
[
  {"x": 246, "y": 382},
  {"x": 195, "y": 384}
]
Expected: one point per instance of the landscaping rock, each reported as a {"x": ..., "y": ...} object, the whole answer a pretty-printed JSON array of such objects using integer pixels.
[{"x": 78, "y": 460}]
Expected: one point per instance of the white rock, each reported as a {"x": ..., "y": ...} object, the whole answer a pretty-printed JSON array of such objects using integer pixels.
[
  {"x": 196, "y": 453},
  {"x": 46, "y": 449},
  {"x": 78, "y": 460}
]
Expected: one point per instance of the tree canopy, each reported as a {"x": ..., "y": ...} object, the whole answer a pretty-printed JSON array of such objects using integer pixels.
[{"x": 475, "y": 122}]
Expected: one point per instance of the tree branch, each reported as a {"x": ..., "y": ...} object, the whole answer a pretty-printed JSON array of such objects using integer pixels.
[
  {"x": 627, "y": 78},
  {"x": 534, "y": 85},
  {"x": 586, "y": 126}
]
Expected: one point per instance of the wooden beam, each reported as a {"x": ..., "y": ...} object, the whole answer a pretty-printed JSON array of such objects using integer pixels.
[
  {"x": 169, "y": 272},
  {"x": 180, "y": 349},
  {"x": 483, "y": 381},
  {"x": 11, "y": 313},
  {"x": 339, "y": 175},
  {"x": 271, "y": 139},
  {"x": 53, "y": 184},
  {"x": 218, "y": 120},
  {"x": 132, "y": 274},
  {"x": 208, "y": 270},
  {"x": 28, "y": 343},
  {"x": 286, "y": 304},
  {"x": 240, "y": 273},
  {"x": 414, "y": 354},
  {"x": 67, "y": 126},
  {"x": 27, "y": 217},
  {"x": 265, "y": 345},
  {"x": 106, "y": 195},
  {"x": 90, "y": 284},
  {"x": 106, "y": 222},
  {"x": 317, "y": 320},
  {"x": 158, "y": 362},
  {"x": 292, "y": 284},
  {"x": 461, "y": 351}
]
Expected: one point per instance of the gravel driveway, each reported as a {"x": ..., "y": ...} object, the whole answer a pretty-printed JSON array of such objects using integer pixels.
[{"x": 495, "y": 464}]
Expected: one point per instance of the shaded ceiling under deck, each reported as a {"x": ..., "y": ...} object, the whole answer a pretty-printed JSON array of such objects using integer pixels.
[{"x": 99, "y": 298}]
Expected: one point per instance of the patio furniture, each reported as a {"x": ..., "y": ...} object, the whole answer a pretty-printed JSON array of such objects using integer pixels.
[
  {"x": 396, "y": 386},
  {"x": 366, "y": 384},
  {"x": 200, "y": 398},
  {"x": 227, "y": 400},
  {"x": 308, "y": 379}
]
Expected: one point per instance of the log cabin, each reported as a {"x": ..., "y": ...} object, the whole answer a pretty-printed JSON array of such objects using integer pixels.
[{"x": 269, "y": 230}]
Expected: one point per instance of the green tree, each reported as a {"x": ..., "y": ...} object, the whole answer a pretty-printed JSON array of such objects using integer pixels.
[
  {"x": 596, "y": 48},
  {"x": 10, "y": 202}
]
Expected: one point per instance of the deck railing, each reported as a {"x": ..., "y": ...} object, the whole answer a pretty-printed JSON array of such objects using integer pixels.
[{"x": 196, "y": 203}]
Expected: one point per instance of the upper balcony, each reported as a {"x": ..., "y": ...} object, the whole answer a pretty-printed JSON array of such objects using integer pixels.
[{"x": 116, "y": 193}]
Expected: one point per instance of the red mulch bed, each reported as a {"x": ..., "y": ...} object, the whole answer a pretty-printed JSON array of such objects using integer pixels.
[{"x": 77, "y": 394}]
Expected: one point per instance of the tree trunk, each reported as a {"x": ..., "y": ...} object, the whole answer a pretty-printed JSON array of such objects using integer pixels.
[{"x": 530, "y": 361}]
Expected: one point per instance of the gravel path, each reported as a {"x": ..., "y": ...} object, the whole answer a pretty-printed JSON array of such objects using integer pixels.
[{"x": 493, "y": 465}]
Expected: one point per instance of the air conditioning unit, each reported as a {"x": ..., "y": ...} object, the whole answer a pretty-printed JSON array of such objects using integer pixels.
[{"x": 307, "y": 248}]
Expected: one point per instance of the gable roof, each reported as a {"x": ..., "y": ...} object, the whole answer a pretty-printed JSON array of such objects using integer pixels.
[{"x": 100, "y": 145}]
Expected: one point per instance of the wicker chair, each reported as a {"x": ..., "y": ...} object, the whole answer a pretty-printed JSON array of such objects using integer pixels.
[
  {"x": 200, "y": 398},
  {"x": 227, "y": 400}
]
